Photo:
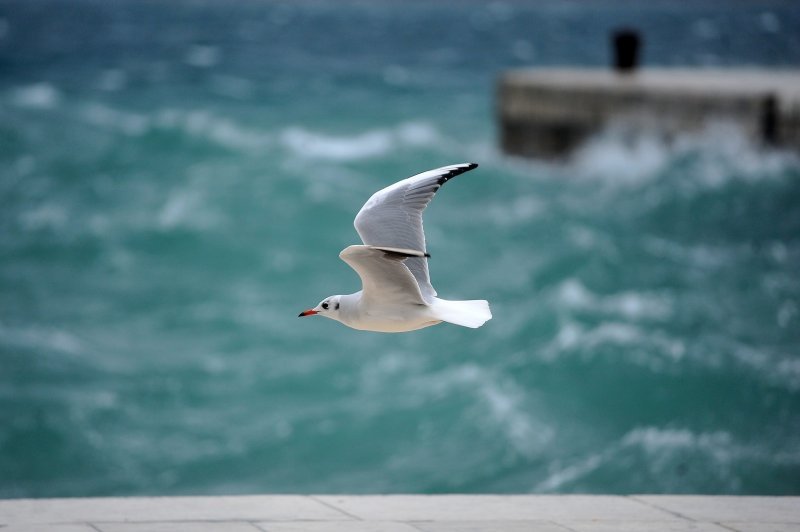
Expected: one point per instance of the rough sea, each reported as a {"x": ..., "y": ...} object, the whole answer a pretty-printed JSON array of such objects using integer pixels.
[{"x": 177, "y": 179}]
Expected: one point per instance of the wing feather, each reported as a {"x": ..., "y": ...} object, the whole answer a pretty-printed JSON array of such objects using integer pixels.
[
  {"x": 392, "y": 217},
  {"x": 384, "y": 276}
]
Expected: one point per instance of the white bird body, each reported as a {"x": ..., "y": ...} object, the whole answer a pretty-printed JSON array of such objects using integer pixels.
[
  {"x": 390, "y": 317},
  {"x": 397, "y": 295}
]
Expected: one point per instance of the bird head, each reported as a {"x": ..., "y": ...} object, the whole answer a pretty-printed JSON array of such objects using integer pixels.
[{"x": 328, "y": 307}]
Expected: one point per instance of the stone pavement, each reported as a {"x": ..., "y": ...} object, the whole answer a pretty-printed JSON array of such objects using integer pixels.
[{"x": 404, "y": 513}]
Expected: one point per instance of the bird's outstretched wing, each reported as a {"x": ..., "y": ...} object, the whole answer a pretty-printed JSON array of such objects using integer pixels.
[
  {"x": 393, "y": 217},
  {"x": 384, "y": 276}
]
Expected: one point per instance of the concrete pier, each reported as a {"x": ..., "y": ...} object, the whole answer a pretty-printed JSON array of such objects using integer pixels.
[
  {"x": 549, "y": 112},
  {"x": 404, "y": 513}
]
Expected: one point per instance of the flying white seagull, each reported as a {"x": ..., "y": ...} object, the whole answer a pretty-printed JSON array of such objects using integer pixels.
[{"x": 397, "y": 295}]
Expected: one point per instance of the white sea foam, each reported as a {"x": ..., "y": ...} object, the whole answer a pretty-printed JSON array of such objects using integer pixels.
[
  {"x": 655, "y": 348},
  {"x": 782, "y": 369},
  {"x": 175, "y": 210},
  {"x": 502, "y": 405},
  {"x": 615, "y": 156},
  {"x": 614, "y": 333},
  {"x": 221, "y": 131},
  {"x": 195, "y": 123},
  {"x": 390, "y": 369},
  {"x": 563, "y": 476},
  {"x": 656, "y": 440},
  {"x": 567, "y": 339},
  {"x": 338, "y": 148},
  {"x": 186, "y": 207},
  {"x": 47, "y": 338},
  {"x": 718, "y": 154},
  {"x": 308, "y": 144},
  {"x": 661, "y": 445},
  {"x": 701, "y": 256},
  {"x": 417, "y": 133},
  {"x": 526, "y": 435},
  {"x": 37, "y": 96},
  {"x": 632, "y": 305},
  {"x": 646, "y": 348}
]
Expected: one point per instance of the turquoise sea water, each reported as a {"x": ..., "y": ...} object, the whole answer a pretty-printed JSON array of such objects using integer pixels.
[{"x": 177, "y": 179}]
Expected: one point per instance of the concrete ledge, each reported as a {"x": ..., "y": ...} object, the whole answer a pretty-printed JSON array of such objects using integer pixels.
[
  {"x": 548, "y": 112},
  {"x": 404, "y": 513}
]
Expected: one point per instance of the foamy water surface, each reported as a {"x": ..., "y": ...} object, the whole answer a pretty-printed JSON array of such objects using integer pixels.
[{"x": 177, "y": 180}]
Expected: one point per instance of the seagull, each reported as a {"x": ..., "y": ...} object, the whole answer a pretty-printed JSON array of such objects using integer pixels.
[{"x": 396, "y": 294}]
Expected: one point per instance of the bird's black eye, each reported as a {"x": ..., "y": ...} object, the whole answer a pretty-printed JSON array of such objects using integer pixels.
[{"x": 325, "y": 305}]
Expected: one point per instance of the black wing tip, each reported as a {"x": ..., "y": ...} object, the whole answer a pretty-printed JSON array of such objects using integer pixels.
[{"x": 460, "y": 169}]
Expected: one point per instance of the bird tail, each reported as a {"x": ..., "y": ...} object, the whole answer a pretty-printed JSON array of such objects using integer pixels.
[{"x": 471, "y": 314}]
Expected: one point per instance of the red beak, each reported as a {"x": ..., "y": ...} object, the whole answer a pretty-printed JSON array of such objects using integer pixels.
[{"x": 309, "y": 312}]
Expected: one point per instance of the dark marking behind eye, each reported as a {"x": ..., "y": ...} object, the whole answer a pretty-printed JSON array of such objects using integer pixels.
[{"x": 337, "y": 306}]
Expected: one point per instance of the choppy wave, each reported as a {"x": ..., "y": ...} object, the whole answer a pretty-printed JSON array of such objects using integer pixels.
[
  {"x": 37, "y": 96},
  {"x": 670, "y": 454},
  {"x": 371, "y": 144},
  {"x": 200, "y": 124},
  {"x": 627, "y": 325},
  {"x": 38, "y": 338},
  {"x": 228, "y": 133},
  {"x": 173, "y": 197},
  {"x": 501, "y": 405},
  {"x": 187, "y": 208},
  {"x": 632, "y": 305},
  {"x": 710, "y": 158}
]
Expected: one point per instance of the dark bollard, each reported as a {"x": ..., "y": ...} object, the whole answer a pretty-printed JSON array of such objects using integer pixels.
[
  {"x": 769, "y": 120},
  {"x": 626, "y": 50}
]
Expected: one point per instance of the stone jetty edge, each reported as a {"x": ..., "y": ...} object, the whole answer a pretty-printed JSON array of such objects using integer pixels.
[{"x": 404, "y": 513}]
